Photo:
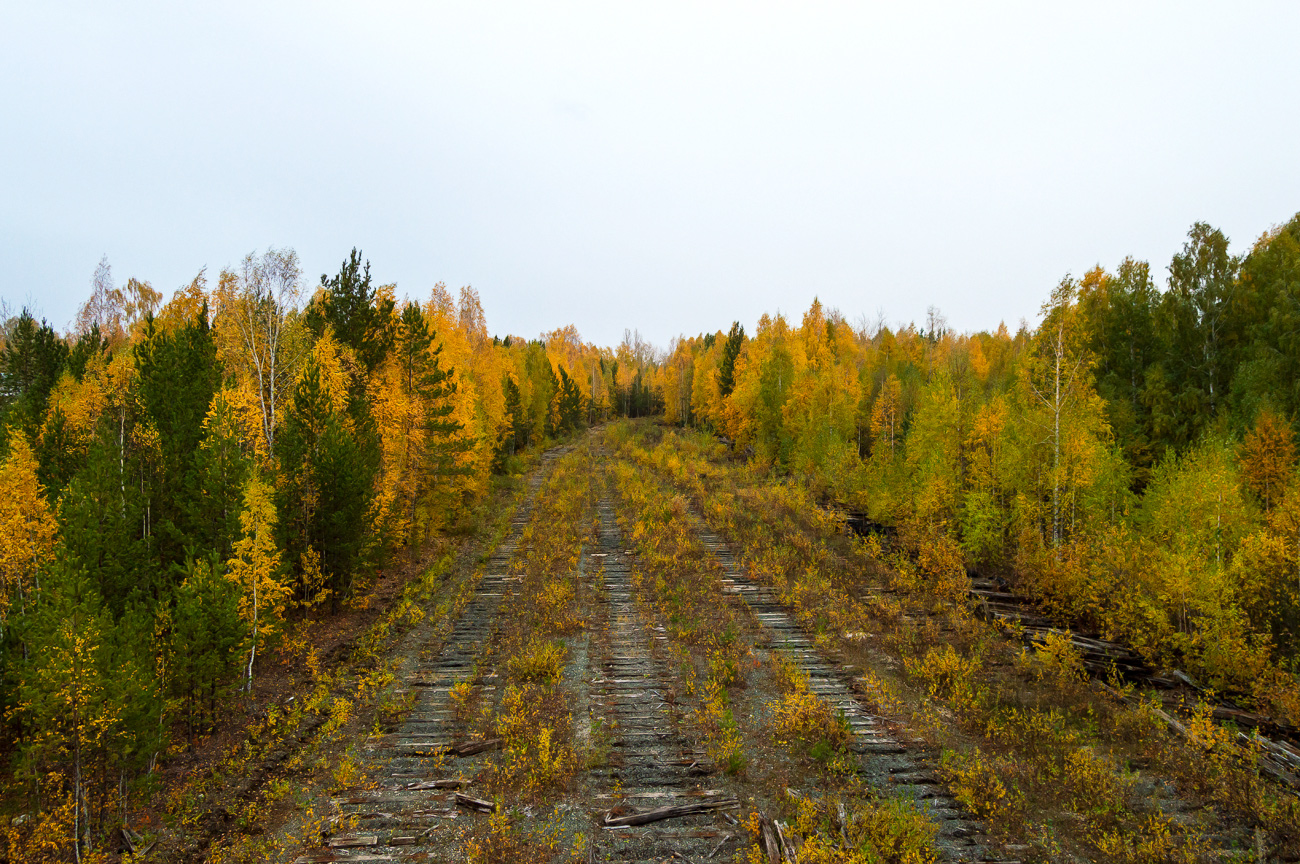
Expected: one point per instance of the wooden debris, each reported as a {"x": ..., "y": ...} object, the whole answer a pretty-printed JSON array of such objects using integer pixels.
[
  {"x": 472, "y": 747},
  {"x": 435, "y": 784},
  {"x": 354, "y": 841},
  {"x": 727, "y": 838},
  {"x": 477, "y": 804},
  {"x": 787, "y": 844},
  {"x": 767, "y": 840},
  {"x": 670, "y": 812}
]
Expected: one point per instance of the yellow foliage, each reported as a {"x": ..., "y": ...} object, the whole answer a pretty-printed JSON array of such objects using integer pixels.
[
  {"x": 255, "y": 567},
  {"x": 28, "y": 530}
]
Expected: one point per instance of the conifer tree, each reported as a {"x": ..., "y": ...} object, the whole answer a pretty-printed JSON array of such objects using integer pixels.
[
  {"x": 328, "y": 472},
  {"x": 727, "y": 364},
  {"x": 176, "y": 375},
  {"x": 221, "y": 467},
  {"x": 568, "y": 404},
  {"x": 360, "y": 317},
  {"x": 206, "y": 634},
  {"x": 518, "y": 428},
  {"x": 32, "y": 361}
]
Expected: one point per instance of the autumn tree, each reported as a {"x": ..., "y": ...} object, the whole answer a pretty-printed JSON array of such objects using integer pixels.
[
  {"x": 28, "y": 531},
  {"x": 886, "y": 415},
  {"x": 255, "y": 569},
  {"x": 1267, "y": 457},
  {"x": 1062, "y": 404},
  {"x": 258, "y": 308}
]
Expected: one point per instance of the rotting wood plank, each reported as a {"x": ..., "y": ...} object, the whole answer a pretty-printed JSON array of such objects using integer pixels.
[
  {"x": 672, "y": 811},
  {"x": 477, "y": 804}
]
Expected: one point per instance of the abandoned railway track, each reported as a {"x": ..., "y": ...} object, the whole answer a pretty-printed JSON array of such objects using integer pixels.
[
  {"x": 652, "y": 765},
  {"x": 418, "y": 769},
  {"x": 896, "y": 764}
]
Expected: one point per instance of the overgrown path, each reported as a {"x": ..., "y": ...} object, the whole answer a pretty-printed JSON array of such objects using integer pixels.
[
  {"x": 414, "y": 770},
  {"x": 651, "y": 763},
  {"x": 893, "y": 767}
]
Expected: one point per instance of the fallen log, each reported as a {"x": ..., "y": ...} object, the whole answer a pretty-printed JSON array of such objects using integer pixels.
[
  {"x": 672, "y": 811},
  {"x": 477, "y": 804}
]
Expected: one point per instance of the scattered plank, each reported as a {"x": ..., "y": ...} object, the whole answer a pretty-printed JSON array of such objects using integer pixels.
[
  {"x": 672, "y": 811},
  {"x": 434, "y": 784},
  {"x": 354, "y": 841},
  {"x": 476, "y": 804},
  {"x": 471, "y": 747}
]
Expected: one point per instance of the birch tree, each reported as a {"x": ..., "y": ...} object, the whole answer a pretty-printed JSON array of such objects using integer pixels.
[
  {"x": 258, "y": 309},
  {"x": 1063, "y": 403}
]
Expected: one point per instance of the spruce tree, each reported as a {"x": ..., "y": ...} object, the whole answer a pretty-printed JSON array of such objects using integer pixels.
[{"x": 727, "y": 364}]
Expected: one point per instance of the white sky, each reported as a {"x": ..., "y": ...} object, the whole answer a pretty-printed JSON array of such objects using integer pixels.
[{"x": 667, "y": 166}]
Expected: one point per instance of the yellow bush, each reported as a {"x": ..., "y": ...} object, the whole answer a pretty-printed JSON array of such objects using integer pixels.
[
  {"x": 975, "y": 783},
  {"x": 460, "y": 697},
  {"x": 542, "y": 660},
  {"x": 878, "y": 832},
  {"x": 948, "y": 675}
]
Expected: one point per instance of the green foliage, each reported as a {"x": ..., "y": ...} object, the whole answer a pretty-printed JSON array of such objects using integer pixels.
[
  {"x": 33, "y": 358},
  {"x": 727, "y": 364},
  {"x": 177, "y": 377},
  {"x": 359, "y": 315},
  {"x": 206, "y": 636},
  {"x": 328, "y": 472}
]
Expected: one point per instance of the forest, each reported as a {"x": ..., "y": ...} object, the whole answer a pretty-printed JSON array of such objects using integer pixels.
[{"x": 195, "y": 489}]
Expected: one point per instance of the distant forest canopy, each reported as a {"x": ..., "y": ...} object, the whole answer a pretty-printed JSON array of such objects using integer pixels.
[{"x": 184, "y": 480}]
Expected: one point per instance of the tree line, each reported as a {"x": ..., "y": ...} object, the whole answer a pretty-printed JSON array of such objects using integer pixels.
[
  {"x": 183, "y": 482},
  {"x": 1130, "y": 462}
]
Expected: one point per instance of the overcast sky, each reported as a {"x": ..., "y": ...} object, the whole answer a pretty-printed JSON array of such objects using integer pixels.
[{"x": 661, "y": 166}]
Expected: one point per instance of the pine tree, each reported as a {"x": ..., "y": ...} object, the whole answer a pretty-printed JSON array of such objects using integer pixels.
[
  {"x": 568, "y": 404},
  {"x": 221, "y": 467},
  {"x": 176, "y": 375},
  {"x": 518, "y": 428},
  {"x": 33, "y": 359},
  {"x": 360, "y": 317},
  {"x": 328, "y": 472},
  {"x": 206, "y": 634}
]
